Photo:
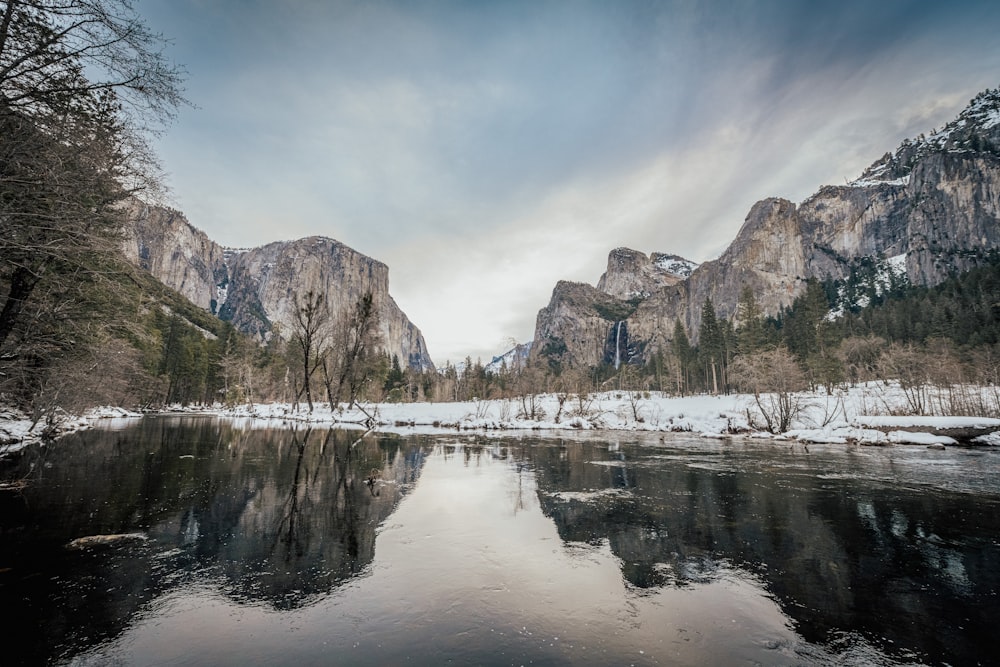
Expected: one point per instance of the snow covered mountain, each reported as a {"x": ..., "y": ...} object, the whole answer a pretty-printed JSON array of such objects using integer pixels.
[
  {"x": 976, "y": 129},
  {"x": 631, "y": 274},
  {"x": 516, "y": 357},
  {"x": 933, "y": 204}
]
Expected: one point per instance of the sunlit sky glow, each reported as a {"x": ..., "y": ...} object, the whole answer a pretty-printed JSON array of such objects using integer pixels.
[{"x": 485, "y": 150}]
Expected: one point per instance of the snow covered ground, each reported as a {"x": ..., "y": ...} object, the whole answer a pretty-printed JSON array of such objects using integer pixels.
[
  {"x": 18, "y": 430},
  {"x": 841, "y": 417},
  {"x": 869, "y": 414}
]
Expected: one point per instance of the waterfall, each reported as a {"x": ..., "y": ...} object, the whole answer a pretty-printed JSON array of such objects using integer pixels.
[{"x": 618, "y": 351}]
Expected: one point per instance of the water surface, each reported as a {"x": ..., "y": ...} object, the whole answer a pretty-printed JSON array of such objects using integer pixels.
[{"x": 315, "y": 547}]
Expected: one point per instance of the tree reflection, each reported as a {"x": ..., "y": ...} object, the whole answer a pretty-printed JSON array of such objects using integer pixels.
[
  {"x": 838, "y": 554},
  {"x": 311, "y": 524},
  {"x": 282, "y": 516},
  {"x": 290, "y": 539}
]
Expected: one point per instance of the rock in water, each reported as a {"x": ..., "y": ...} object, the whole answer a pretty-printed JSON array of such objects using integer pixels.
[{"x": 91, "y": 541}]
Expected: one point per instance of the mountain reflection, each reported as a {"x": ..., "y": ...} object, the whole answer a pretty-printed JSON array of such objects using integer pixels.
[
  {"x": 289, "y": 514},
  {"x": 279, "y": 516},
  {"x": 850, "y": 544},
  {"x": 912, "y": 565}
]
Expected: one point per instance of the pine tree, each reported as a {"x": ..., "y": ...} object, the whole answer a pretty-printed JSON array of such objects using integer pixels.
[
  {"x": 685, "y": 356},
  {"x": 751, "y": 335},
  {"x": 711, "y": 345},
  {"x": 395, "y": 378},
  {"x": 812, "y": 337}
]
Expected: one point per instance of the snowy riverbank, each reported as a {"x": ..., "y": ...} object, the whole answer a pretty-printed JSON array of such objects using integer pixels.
[
  {"x": 844, "y": 416},
  {"x": 18, "y": 430},
  {"x": 872, "y": 414}
]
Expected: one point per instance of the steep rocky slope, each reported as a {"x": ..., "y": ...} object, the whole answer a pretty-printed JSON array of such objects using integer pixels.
[
  {"x": 632, "y": 274},
  {"x": 256, "y": 288},
  {"x": 935, "y": 200},
  {"x": 161, "y": 241},
  {"x": 579, "y": 326}
]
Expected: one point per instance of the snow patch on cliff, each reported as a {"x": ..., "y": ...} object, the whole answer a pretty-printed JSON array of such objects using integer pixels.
[
  {"x": 873, "y": 181},
  {"x": 674, "y": 265},
  {"x": 514, "y": 358},
  {"x": 888, "y": 273}
]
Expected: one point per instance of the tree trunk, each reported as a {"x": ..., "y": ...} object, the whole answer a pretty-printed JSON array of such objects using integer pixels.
[
  {"x": 328, "y": 382},
  {"x": 22, "y": 283}
]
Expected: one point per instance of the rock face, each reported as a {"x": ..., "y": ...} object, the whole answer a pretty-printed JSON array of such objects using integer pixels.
[
  {"x": 255, "y": 289},
  {"x": 263, "y": 284},
  {"x": 163, "y": 242},
  {"x": 514, "y": 358},
  {"x": 632, "y": 274},
  {"x": 935, "y": 200},
  {"x": 583, "y": 325}
]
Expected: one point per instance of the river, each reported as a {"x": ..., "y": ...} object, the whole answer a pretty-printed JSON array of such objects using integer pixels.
[{"x": 292, "y": 546}]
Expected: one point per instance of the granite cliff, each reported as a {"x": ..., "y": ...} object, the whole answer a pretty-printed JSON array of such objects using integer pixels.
[
  {"x": 162, "y": 242},
  {"x": 934, "y": 204},
  {"x": 255, "y": 288},
  {"x": 631, "y": 274}
]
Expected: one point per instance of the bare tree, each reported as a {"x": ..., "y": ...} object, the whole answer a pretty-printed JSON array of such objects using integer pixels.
[
  {"x": 81, "y": 84},
  {"x": 631, "y": 383},
  {"x": 310, "y": 337},
  {"x": 57, "y": 210},
  {"x": 909, "y": 365},
  {"x": 57, "y": 56},
  {"x": 773, "y": 377},
  {"x": 351, "y": 363},
  {"x": 80, "y": 80},
  {"x": 528, "y": 381},
  {"x": 860, "y": 356}
]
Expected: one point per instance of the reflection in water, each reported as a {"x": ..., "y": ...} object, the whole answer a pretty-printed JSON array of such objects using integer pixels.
[
  {"x": 910, "y": 567},
  {"x": 270, "y": 516},
  {"x": 261, "y": 549}
]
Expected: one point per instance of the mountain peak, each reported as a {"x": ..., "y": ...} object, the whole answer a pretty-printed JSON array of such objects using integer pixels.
[
  {"x": 975, "y": 130},
  {"x": 256, "y": 288},
  {"x": 633, "y": 274}
]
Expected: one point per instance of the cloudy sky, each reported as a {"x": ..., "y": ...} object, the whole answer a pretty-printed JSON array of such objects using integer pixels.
[{"x": 485, "y": 150}]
